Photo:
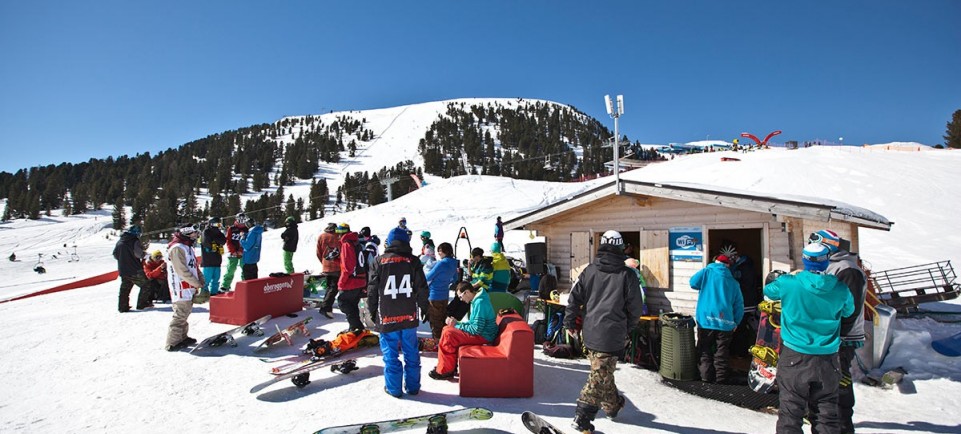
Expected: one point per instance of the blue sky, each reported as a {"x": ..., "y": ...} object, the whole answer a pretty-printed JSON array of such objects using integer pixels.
[{"x": 92, "y": 79}]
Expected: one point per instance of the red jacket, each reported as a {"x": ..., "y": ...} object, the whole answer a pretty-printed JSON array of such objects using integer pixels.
[
  {"x": 155, "y": 269},
  {"x": 348, "y": 260},
  {"x": 325, "y": 242}
]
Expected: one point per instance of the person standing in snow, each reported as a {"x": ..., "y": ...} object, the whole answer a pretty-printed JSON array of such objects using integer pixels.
[
  {"x": 812, "y": 306},
  {"x": 352, "y": 280},
  {"x": 439, "y": 280},
  {"x": 743, "y": 270},
  {"x": 499, "y": 233},
  {"x": 211, "y": 254},
  {"x": 427, "y": 252},
  {"x": 500, "y": 269},
  {"x": 235, "y": 252},
  {"x": 328, "y": 253},
  {"x": 251, "y": 245},
  {"x": 396, "y": 291},
  {"x": 185, "y": 282},
  {"x": 129, "y": 253},
  {"x": 844, "y": 265},
  {"x": 291, "y": 237},
  {"x": 719, "y": 310},
  {"x": 608, "y": 296}
]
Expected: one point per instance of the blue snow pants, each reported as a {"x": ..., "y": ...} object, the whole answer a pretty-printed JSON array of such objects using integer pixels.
[
  {"x": 212, "y": 279},
  {"x": 406, "y": 340}
]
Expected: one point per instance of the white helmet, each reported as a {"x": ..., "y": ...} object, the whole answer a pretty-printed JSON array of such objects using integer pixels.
[{"x": 613, "y": 238}]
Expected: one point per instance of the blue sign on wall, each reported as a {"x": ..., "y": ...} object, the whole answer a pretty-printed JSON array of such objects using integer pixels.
[{"x": 686, "y": 243}]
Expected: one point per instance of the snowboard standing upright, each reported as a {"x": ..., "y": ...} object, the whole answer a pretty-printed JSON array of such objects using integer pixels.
[
  {"x": 766, "y": 349},
  {"x": 227, "y": 337},
  {"x": 434, "y": 423}
]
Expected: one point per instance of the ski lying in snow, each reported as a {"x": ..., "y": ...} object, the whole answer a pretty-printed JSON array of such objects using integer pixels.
[
  {"x": 434, "y": 423},
  {"x": 285, "y": 334},
  {"x": 538, "y": 425},
  {"x": 227, "y": 337},
  {"x": 301, "y": 375}
]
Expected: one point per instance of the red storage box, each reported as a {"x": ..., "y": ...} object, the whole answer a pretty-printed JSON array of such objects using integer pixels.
[{"x": 252, "y": 299}]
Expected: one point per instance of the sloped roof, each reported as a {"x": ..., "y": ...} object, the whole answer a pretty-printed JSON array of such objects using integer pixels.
[{"x": 788, "y": 205}]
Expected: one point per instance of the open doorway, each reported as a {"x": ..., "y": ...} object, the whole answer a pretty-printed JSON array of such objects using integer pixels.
[{"x": 744, "y": 245}]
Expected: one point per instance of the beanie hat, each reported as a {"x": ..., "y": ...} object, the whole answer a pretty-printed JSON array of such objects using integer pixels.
[
  {"x": 365, "y": 231},
  {"x": 240, "y": 219},
  {"x": 496, "y": 247},
  {"x": 331, "y": 227},
  {"x": 342, "y": 228},
  {"x": 827, "y": 238},
  {"x": 724, "y": 259},
  {"x": 187, "y": 229},
  {"x": 425, "y": 234},
  {"x": 613, "y": 238},
  {"x": 290, "y": 219},
  {"x": 398, "y": 234},
  {"x": 815, "y": 257},
  {"x": 728, "y": 250},
  {"x": 134, "y": 230}
]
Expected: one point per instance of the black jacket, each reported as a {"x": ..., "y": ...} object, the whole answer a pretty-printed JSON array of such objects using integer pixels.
[
  {"x": 128, "y": 252},
  {"x": 611, "y": 298},
  {"x": 290, "y": 236},
  {"x": 211, "y": 246},
  {"x": 396, "y": 288}
]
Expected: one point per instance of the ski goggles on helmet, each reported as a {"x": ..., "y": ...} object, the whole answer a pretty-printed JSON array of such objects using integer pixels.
[{"x": 818, "y": 237}]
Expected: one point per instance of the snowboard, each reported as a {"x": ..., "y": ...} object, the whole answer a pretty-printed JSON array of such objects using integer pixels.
[
  {"x": 286, "y": 334},
  {"x": 301, "y": 375},
  {"x": 227, "y": 337},
  {"x": 538, "y": 425},
  {"x": 436, "y": 422},
  {"x": 766, "y": 349},
  {"x": 949, "y": 346},
  {"x": 365, "y": 317}
]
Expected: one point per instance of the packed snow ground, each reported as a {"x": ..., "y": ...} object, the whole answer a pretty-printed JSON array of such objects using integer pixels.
[{"x": 72, "y": 363}]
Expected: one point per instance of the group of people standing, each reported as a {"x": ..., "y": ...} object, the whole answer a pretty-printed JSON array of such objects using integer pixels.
[{"x": 821, "y": 327}]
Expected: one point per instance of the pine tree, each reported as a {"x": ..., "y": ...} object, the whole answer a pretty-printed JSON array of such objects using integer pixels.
[
  {"x": 119, "y": 216},
  {"x": 952, "y": 138}
]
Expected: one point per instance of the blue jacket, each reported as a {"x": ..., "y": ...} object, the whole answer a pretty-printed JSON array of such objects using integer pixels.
[
  {"x": 481, "y": 320},
  {"x": 720, "y": 305},
  {"x": 251, "y": 244},
  {"x": 440, "y": 277},
  {"x": 812, "y": 306}
]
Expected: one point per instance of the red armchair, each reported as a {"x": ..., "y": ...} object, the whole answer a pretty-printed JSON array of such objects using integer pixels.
[{"x": 504, "y": 369}]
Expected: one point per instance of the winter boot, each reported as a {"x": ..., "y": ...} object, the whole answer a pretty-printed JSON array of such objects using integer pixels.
[
  {"x": 583, "y": 415},
  {"x": 617, "y": 409}
]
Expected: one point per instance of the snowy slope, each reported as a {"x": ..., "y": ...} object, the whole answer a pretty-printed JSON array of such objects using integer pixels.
[{"x": 72, "y": 363}]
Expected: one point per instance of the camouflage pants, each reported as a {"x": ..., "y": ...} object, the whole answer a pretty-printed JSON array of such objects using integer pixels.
[
  {"x": 178, "y": 325},
  {"x": 600, "y": 390}
]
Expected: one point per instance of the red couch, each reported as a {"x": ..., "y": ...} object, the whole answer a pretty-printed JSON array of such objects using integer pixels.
[
  {"x": 252, "y": 299},
  {"x": 504, "y": 369}
]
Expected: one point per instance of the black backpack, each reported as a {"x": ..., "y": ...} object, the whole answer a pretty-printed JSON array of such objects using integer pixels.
[{"x": 362, "y": 260}]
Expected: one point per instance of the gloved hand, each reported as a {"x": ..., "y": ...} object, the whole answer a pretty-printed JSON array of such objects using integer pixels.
[
  {"x": 855, "y": 344},
  {"x": 202, "y": 296},
  {"x": 423, "y": 318}
]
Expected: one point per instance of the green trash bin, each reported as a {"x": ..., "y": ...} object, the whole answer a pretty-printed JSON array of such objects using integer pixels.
[{"x": 678, "y": 354}]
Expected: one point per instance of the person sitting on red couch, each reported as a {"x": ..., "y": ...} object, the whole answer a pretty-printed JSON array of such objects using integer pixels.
[{"x": 479, "y": 328}]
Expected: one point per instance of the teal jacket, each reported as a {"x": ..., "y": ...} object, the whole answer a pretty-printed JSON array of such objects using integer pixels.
[
  {"x": 481, "y": 320},
  {"x": 812, "y": 306},
  {"x": 501, "y": 277},
  {"x": 720, "y": 304}
]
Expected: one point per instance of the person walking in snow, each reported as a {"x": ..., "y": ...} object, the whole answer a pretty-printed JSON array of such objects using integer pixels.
[
  {"x": 439, "y": 280},
  {"x": 251, "y": 245},
  {"x": 608, "y": 296},
  {"x": 499, "y": 233},
  {"x": 185, "y": 282},
  {"x": 397, "y": 299},
  {"x": 328, "y": 253},
  {"x": 129, "y": 253},
  {"x": 235, "y": 252},
  {"x": 812, "y": 306},
  {"x": 719, "y": 310},
  {"x": 844, "y": 265},
  {"x": 291, "y": 237},
  {"x": 212, "y": 254}
]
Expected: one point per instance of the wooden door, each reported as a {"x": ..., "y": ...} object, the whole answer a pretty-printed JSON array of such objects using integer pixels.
[{"x": 580, "y": 253}]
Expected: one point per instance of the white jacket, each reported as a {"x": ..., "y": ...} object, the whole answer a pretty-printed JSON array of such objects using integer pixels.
[{"x": 184, "y": 279}]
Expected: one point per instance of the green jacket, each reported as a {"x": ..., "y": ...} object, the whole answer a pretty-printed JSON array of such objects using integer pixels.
[
  {"x": 481, "y": 321},
  {"x": 812, "y": 306},
  {"x": 501, "y": 277}
]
